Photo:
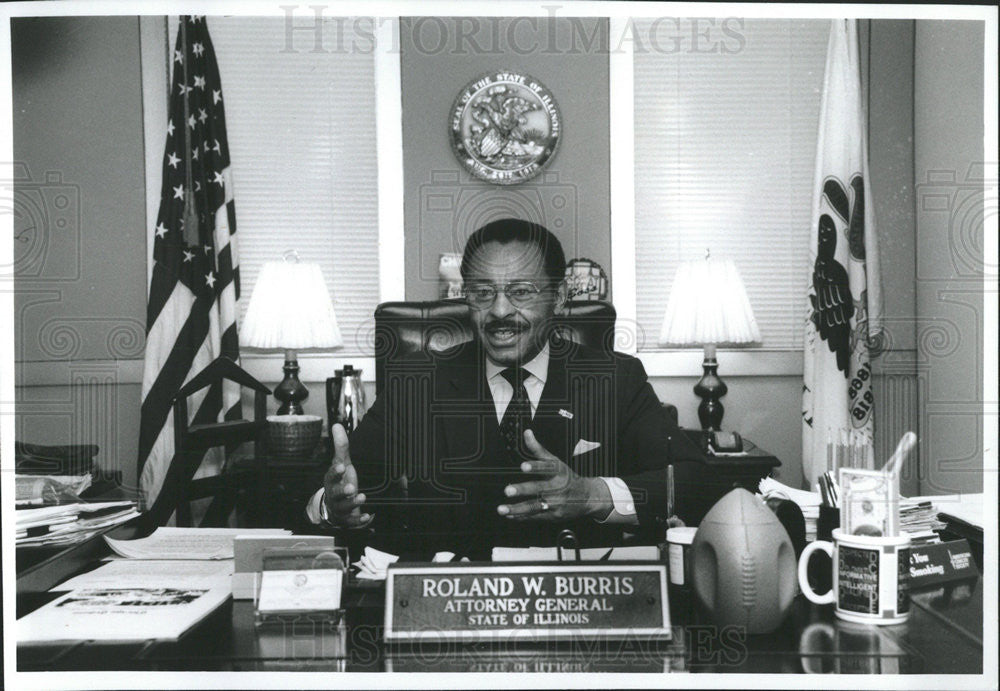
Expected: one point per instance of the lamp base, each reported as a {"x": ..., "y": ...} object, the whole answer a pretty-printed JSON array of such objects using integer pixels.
[
  {"x": 291, "y": 392},
  {"x": 710, "y": 388}
]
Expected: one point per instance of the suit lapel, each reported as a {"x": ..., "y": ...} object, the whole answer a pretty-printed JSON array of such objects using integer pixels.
[
  {"x": 553, "y": 421},
  {"x": 465, "y": 411}
]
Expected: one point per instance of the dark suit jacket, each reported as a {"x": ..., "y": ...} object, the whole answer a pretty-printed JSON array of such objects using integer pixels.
[{"x": 435, "y": 425}]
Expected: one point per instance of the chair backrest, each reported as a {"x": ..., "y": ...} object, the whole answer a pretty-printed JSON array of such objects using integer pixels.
[
  {"x": 193, "y": 439},
  {"x": 405, "y": 329}
]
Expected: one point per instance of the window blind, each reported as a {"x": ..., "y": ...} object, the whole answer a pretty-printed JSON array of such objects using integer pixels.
[
  {"x": 301, "y": 129},
  {"x": 724, "y": 153}
]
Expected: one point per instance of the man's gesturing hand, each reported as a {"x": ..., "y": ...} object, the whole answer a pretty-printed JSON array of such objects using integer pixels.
[
  {"x": 559, "y": 496},
  {"x": 343, "y": 502}
]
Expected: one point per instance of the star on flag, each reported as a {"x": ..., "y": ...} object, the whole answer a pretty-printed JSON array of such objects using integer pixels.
[
  {"x": 179, "y": 192},
  {"x": 198, "y": 49},
  {"x": 161, "y": 230},
  {"x": 199, "y": 81},
  {"x": 188, "y": 256},
  {"x": 216, "y": 96},
  {"x": 172, "y": 160},
  {"x": 210, "y": 280}
]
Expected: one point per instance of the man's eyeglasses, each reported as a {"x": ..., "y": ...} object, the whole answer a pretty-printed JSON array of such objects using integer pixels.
[{"x": 519, "y": 293}]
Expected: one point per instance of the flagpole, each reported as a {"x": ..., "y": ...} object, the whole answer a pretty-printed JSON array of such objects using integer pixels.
[{"x": 190, "y": 216}]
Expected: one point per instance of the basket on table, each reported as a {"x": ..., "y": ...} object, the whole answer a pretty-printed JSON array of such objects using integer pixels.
[{"x": 293, "y": 437}]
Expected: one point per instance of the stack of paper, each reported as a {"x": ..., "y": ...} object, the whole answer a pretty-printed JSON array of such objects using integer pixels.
[
  {"x": 373, "y": 564},
  {"x": 186, "y": 543},
  {"x": 919, "y": 519},
  {"x": 808, "y": 502},
  {"x": 70, "y": 523}
]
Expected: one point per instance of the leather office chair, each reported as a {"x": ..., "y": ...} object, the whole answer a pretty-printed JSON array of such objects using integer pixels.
[
  {"x": 191, "y": 443},
  {"x": 406, "y": 329},
  {"x": 403, "y": 329}
]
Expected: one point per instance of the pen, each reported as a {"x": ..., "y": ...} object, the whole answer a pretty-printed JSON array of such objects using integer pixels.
[{"x": 670, "y": 490}]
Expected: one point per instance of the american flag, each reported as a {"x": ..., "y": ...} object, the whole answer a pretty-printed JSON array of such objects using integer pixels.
[{"x": 191, "y": 316}]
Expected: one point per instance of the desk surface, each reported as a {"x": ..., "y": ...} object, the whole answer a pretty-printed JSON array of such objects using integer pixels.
[{"x": 943, "y": 635}]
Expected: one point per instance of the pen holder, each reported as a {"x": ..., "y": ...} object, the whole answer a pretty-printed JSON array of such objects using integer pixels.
[{"x": 829, "y": 518}]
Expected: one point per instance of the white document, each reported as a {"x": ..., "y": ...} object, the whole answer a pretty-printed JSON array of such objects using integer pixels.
[
  {"x": 186, "y": 543},
  {"x": 119, "y": 614},
  {"x": 770, "y": 487},
  {"x": 154, "y": 573},
  {"x": 373, "y": 564}
]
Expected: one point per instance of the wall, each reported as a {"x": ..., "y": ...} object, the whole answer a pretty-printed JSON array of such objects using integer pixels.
[
  {"x": 948, "y": 162},
  {"x": 443, "y": 204},
  {"x": 81, "y": 250},
  {"x": 887, "y": 59}
]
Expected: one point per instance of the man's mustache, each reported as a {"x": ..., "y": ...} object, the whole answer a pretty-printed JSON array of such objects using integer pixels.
[{"x": 505, "y": 324}]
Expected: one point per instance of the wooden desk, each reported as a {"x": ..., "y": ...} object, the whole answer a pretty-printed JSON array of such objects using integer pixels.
[{"x": 943, "y": 635}]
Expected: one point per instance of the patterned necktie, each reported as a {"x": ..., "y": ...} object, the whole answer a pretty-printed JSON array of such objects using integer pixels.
[{"x": 517, "y": 417}]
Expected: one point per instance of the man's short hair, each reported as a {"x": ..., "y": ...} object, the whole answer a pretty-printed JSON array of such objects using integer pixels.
[{"x": 508, "y": 230}]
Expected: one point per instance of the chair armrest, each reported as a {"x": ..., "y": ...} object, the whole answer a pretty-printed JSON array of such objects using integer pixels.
[{"x": 671, "y": 410}]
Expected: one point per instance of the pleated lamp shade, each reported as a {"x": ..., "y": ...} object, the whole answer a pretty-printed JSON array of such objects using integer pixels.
[
  {"x": 290, "y": 308},
  {"x": 708, "y": 305}
]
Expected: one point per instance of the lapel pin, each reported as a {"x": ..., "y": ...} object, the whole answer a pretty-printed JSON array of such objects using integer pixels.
[{"x": 566, "y": 414}]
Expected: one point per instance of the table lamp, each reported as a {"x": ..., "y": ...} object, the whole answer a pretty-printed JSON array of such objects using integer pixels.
[
  {"x": 290, "y": 309},
  {"x": 708, "y": 306}
]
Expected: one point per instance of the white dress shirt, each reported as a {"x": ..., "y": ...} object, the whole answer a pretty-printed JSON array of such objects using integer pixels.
[{"x": 502, "y": 391}]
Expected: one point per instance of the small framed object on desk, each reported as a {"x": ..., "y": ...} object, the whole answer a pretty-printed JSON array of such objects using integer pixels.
[{"x": 301, "y": 584}]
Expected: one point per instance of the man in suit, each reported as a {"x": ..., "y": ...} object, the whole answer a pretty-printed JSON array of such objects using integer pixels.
[{"x": 514, "y": 436}]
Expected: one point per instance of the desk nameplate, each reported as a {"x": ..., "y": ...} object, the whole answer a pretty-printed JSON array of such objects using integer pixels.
[{"x": 510, "y": 602}]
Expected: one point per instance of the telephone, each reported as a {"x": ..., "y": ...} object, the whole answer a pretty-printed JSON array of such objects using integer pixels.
[{"x": 725, "y": 442}]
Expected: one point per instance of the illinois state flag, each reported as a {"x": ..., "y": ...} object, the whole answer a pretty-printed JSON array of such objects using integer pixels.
[{"x": 844, "y": 296}]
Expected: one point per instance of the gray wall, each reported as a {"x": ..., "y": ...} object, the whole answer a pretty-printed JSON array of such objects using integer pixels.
[
  {"x": 81, "y": 249},
  {"x": 887, "y": 58},
  {"x": 443, "y": 204},
  {"x": 948, "y": 156}
]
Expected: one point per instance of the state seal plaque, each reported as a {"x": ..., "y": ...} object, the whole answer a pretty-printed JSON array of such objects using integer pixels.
[{"x": 505, "y": 127}]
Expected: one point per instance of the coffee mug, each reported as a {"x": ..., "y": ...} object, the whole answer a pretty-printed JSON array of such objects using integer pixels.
[{"x": 869, "y": 577}]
